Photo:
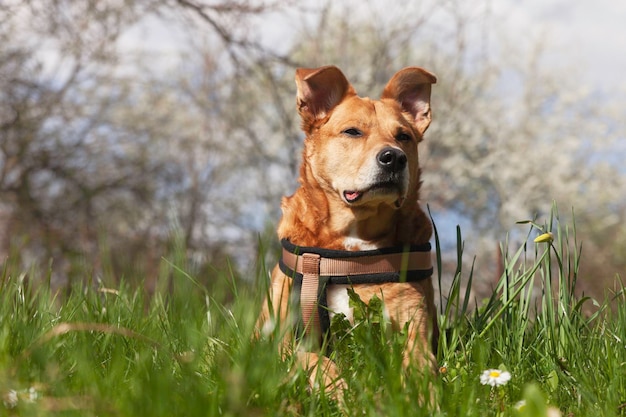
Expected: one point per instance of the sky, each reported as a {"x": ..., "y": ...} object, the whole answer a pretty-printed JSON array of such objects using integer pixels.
[{"x": 589, "y": 34}]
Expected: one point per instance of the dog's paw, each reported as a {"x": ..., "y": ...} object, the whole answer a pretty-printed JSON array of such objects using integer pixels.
[{"x": 323, "y": 375}]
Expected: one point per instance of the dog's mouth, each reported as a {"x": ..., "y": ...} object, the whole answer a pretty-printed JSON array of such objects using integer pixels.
[
  {"x": 352, "y": 196},
  {"x": 383, "y": 188}
]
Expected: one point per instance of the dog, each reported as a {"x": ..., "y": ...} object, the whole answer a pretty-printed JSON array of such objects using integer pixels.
[{"x": 355, "y": 220}]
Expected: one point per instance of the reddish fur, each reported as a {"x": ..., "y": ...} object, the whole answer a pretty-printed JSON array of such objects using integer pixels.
[{"x": 316, "y": 215}]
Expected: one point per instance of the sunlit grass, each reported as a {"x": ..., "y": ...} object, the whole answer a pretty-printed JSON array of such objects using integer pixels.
[{"x": 188, "y": 350}]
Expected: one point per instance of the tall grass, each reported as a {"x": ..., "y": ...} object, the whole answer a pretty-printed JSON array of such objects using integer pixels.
[{"x": 188, "y": 349}]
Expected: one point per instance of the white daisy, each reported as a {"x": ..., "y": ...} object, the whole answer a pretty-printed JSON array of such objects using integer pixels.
[
  {"x": 494, "y": 377},
  {"x": 10, "y": 399}
]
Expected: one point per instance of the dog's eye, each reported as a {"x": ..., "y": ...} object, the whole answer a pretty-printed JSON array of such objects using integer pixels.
[
  {"x": 353, "y": 132},
  {"x": 403, "y": 137}
]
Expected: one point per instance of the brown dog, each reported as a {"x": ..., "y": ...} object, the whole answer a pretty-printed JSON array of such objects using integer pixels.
[{"x": 355, "y": 219}]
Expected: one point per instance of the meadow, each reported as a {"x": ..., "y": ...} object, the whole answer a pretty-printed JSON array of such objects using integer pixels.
[{"x": 105, "y": 348}]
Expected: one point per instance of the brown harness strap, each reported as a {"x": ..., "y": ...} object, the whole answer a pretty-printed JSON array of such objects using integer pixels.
[
  {"x": 310, "y": 267},
  {"x": 375, "y": 264}
]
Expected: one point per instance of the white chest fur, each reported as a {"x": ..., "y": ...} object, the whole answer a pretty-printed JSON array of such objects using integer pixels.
[
  {"x": 354, "y": 243},
  {"x": 339, "y": 301}
]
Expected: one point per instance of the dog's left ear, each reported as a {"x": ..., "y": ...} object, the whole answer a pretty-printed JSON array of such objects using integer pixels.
[{"x": 411, "y": 88}]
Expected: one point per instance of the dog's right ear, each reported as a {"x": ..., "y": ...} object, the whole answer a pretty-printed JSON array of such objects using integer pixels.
[{"x": 319, "y": 91}]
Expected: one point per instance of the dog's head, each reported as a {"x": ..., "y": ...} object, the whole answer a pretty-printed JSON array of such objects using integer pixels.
[{"x": 363, "y": 152}]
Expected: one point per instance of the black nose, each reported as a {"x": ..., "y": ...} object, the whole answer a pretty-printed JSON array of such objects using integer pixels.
[{"x": 391, "y": 159}]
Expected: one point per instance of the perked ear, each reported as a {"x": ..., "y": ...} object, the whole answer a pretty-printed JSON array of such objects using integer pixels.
[
  {"x": 320, "y": 90},
  {"x": 411, "y": 88}
]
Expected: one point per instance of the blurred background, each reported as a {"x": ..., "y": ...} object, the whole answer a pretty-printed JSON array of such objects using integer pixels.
[{"x": 129, "y": 126}]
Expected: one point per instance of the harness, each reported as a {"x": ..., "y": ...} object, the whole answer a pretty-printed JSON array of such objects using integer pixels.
[{"x": 313, "y": 269}]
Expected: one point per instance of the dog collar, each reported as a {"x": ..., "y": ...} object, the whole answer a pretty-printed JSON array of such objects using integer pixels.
[{"x": 312, "y": 269}]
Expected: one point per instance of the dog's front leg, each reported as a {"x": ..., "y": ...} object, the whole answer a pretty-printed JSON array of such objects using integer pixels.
[
  {"x": 411, "y": 305},
  {"x": 277, "y": 317}
]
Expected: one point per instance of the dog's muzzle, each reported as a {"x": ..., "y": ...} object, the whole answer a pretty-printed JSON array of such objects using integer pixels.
[{"x": 390, "y": 177}]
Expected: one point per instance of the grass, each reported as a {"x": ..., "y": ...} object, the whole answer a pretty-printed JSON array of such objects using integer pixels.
[{"x": 97, "y": 350}]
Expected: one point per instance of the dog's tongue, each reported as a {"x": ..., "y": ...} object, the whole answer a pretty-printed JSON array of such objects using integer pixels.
[{"x": 351, "y": 195}]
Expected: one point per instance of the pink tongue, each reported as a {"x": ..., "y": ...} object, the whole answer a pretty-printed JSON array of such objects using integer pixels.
[{"x": 351, "y": 196}]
